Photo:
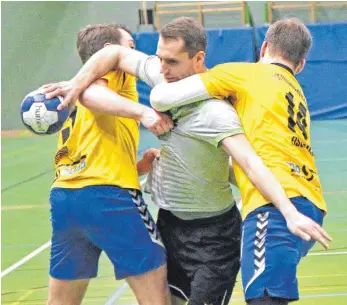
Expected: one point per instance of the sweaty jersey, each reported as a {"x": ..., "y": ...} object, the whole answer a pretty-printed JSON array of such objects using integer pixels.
[
  {"x": 275, "y": 118},
  {"x": 99, "y": 149}
]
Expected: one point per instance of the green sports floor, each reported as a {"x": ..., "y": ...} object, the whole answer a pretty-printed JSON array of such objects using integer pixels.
[{"x": 27, "y": 173}]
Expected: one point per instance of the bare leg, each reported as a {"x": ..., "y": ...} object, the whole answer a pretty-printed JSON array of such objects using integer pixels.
[
  {"x": 151, "y": 288},
  {"x": 62, "y": 292}
]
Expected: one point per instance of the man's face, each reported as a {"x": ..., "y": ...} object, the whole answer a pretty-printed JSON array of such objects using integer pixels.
[{"x": 175, "y": 61}]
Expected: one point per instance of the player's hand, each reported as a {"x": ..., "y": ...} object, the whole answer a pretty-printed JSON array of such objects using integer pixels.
[
  {"x": 145, "y": 164},
  {"x": 156, "y": 122},
  {"x": 307, "y": 229},
  {"x": 67, "y": 89}
]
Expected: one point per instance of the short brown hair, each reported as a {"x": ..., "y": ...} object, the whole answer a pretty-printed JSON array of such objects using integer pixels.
[
  {"x": 192, "y": 33},
  {"x": 290, "y": 39},
  {"x": 93, "y": 37}
]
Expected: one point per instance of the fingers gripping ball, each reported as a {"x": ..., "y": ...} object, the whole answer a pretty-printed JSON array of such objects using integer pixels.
[{"x": 40, "y": 115}]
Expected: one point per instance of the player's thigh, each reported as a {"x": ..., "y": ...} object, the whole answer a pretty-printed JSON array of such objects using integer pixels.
[
  {"x": 178, "y": 277},
  {"x": 122, "y": 226},
  {"x": 203, "y": 255},
  {"x": 211, "y": 287},
  {"x": 73, "y": 256},
  {"x": 151, "y": 288},
  {"x": 62, "y": 292}
]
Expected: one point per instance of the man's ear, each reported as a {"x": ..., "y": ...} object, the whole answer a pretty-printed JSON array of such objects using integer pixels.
[
  {"x": 300, "y": 66},
  {"x": 200, "y": 58},
  {"x": 263, "y": 49}
]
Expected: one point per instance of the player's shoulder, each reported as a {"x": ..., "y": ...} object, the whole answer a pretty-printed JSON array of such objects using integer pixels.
[
  {"x": 236, "y": 67},
  {"x": 117, "y": 78},
  {"x": 218, "y": 115},
  {"x": 217, "y": 109},
  {"x": 113, "y": 76}
]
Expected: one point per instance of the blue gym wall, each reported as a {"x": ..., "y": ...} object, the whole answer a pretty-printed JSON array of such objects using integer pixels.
[{"x": 38, "y": 46}]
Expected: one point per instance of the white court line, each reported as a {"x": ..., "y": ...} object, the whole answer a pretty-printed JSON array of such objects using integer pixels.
[
  {"x": 25, "y": 259},
  {"x": 327, "y": 253},
  {"x": 331, "y": 160},
  {"x": 38, "y": 250},
  {"x": 119, "y": 291},
  {"x": 303, "y": 296},
  {"x": 325, "y": 295}
]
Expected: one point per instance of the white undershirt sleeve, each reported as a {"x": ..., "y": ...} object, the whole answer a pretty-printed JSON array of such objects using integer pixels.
[
  {"x": 149, "y": 71},
  {"x": 186, "y": 91}
]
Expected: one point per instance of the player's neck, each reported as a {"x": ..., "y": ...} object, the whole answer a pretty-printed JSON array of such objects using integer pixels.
[{"x": 267, "y": 59}]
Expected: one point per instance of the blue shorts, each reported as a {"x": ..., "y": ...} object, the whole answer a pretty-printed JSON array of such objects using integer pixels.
[
  {"x": 92, "y": 219},
  {"x": 270, "y": 253}
]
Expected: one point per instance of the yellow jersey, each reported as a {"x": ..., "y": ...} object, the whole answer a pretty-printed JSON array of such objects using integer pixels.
[
  {"x": 99, "y": 149},
  {"x": 275, "y": 118}
]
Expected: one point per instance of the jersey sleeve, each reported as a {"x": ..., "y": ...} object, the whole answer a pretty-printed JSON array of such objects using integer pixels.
[
  {"x": 226, "y": 80},
  {"x": 128, "y": 84},
  {"x": 108, "y": 77},
  {"x": 129, "y": 88},
  {"x": 216, "y": 121},
  {"x": 148, "y": 71}
]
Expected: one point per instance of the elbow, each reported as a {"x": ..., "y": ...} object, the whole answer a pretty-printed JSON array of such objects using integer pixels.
[{"x": 157, "y": 99}]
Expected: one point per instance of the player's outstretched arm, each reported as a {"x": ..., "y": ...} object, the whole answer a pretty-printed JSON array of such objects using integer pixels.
[
  {"x": 98, "y": 98},
  {"x": 165, "y": 96},
  {"x": 262, "y": 178},
  {"x": 222, "y": 81},
  {"x": 109, "y": 58}
]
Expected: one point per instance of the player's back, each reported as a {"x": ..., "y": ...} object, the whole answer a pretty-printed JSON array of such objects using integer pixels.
[
  {"x": 99, "y": 149},
  {"x": 275, "y": 117}
]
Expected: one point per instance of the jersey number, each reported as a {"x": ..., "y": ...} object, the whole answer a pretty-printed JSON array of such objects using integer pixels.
[
  {"x": 66, "y": 131},
  {"x": 300, "y": 119}
]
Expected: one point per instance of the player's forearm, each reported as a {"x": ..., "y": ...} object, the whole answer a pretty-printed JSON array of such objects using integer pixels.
[
  {"x": 100, "y": 99},
  {"x": 264, "y": 180},
  {"x": 170, "y": 95},
  {"x": 140, "y": 170},
  {"x": 113, "y": 57},
  {"x": 97, "y": 66}
]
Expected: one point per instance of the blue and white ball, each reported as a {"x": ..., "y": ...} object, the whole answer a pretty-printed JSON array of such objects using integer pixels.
[{"x": 40, "y": 115}]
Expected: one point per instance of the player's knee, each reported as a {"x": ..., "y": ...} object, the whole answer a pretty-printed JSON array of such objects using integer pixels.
[
  {"x": 268, "y": 300},
  {"x": 202, "y": 298},
  {"x": 212, "y": 286},
  {"x": 151, "y": 287}
]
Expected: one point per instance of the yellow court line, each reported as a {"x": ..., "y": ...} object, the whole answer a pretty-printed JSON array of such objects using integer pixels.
[
  {"x": 24, "y": 207},
  {"x": 24, "y": 297},
  {"x": 16, "y": 133}
]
